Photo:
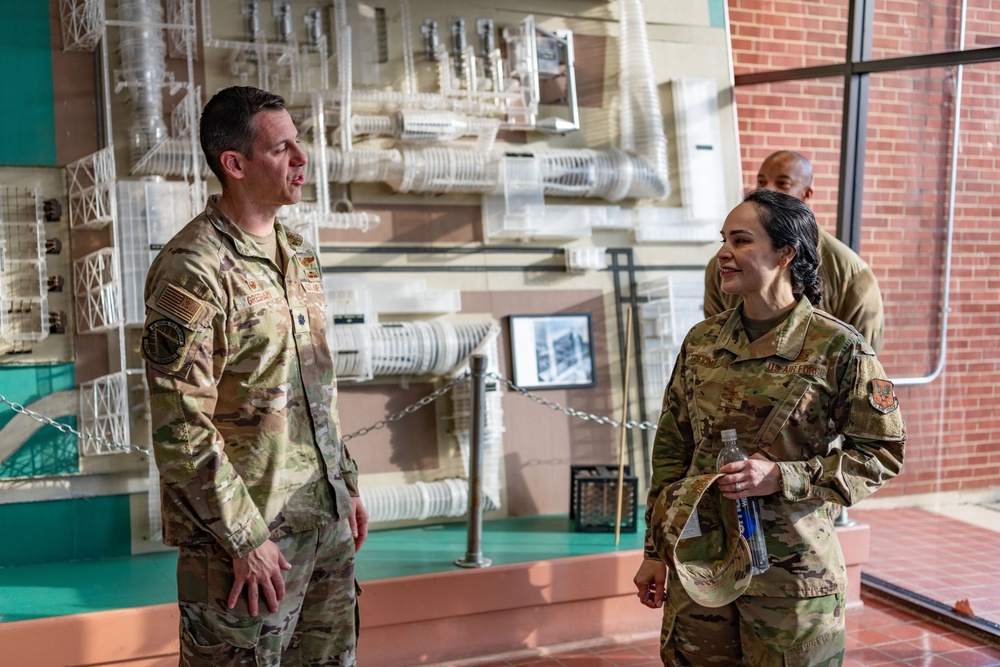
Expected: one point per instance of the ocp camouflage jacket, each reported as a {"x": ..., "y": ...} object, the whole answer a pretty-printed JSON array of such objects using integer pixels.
[
  {"x": 242, "y": 389},
  {"x": 809, "y": 395}
]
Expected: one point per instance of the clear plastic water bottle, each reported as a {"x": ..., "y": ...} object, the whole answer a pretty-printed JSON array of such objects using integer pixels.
[{"x": 747, "y": 509}]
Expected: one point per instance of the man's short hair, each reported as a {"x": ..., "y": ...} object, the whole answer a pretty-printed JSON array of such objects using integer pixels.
[{"x": 227, "y": 123}]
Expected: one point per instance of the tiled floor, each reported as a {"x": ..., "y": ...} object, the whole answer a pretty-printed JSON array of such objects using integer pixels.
[
  {"x": 936, "y": 556},
  {"x": 877, "y": 634}
]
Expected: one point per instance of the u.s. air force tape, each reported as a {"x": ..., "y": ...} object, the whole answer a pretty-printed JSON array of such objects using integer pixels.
[{"x": 163, "y": 341}]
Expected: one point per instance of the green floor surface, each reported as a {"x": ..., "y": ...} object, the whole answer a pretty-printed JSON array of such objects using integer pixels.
[{"x": 57, "y": 589}]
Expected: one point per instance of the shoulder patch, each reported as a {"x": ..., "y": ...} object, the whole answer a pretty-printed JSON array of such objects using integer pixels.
[
  {"x": 163, "y": 341},
  {"x": 882, "y": 397}
]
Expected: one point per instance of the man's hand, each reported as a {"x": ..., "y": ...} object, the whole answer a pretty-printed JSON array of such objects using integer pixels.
[
  {"x": 359, "y": 522},
  {"x": 261, "y": 567},
  {"x": 651, "y": 582}
]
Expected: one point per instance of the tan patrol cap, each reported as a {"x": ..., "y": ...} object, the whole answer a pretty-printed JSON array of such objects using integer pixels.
[{"x": 714, "y": 565}]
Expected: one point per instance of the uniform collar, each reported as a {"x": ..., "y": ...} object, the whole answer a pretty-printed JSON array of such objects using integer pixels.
[
  {"x": 241, "y": 240},
  {"x": 786, "y": 341}
]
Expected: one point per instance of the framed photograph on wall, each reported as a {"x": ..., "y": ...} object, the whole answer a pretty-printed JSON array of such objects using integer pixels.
[{"x": 552, "y": 351}]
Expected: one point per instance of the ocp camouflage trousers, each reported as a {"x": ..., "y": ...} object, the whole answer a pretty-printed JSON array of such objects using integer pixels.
[
  {"x": 754, "y": 631},
  {"x": 315, "y": 625}
]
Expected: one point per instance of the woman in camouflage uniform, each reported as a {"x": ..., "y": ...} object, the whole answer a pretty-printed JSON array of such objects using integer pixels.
[{"x": 809, "y": 401}]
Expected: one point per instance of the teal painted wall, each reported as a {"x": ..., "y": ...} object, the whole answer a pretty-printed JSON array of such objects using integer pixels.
[
  {"x": 57, "y": 530},
  {"x": 48, "y": 451},
  {"x": 717, "y": 13},
  {"x": 63, "y": 530},
  {"x": 27, "y": 122}
]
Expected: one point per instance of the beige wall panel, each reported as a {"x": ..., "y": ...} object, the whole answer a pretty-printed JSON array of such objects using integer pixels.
[
  {"x": 407, "y": 445},
  {"x": 540, "y": 443},
  {"x": 76, "y": 103}
]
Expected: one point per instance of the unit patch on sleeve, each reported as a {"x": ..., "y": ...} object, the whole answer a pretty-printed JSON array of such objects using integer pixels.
[
  {"x": 163, "y": 341},
  {"x": 882, "y": 397}
]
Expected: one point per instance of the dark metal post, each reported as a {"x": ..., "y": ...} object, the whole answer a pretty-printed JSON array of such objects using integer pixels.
[{"x": 474, "y": 549}]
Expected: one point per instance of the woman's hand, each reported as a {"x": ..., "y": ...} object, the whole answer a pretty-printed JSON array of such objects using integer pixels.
[
  {"x": 757, "y": 476},
  {"x": 651, "y": 581}
]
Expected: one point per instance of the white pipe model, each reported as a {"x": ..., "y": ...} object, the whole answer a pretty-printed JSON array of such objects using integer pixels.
[
  {"x": 424, "y": 159},
  {"x": 637, "y": 170}
]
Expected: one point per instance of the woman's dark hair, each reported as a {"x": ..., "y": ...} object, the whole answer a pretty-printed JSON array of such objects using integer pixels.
[
  {"x": 789, "y": 222},
  {"x": 227, "y": 123}
]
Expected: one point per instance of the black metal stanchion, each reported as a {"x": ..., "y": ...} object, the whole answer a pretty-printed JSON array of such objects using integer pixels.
[{"x": 474, "y": 548}]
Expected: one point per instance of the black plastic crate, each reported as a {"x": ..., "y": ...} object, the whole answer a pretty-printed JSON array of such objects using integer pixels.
[{"x": 593, "y": 498}]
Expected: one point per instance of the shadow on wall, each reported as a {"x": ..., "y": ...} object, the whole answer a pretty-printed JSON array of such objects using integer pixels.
[{"x": 407, "y": 445}]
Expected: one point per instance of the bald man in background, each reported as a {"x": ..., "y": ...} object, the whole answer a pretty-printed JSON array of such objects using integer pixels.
[{"x": 850, "y": 291}]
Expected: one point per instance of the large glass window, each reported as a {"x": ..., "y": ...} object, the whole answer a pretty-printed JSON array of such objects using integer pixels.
[
  {"x": 907, "y": 167},
  {"x": 909, "y": 27},
  {"x": 803, "y": 116},
  {"x": 946, "y": 509},
  {"x": 797, "y": 34}
]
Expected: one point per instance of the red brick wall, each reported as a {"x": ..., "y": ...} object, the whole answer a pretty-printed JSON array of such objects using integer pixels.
[{"x": 953, "y": 425}]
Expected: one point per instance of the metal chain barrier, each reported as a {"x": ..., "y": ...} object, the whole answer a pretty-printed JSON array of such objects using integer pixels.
[
  {"x": 585, "y": 416},
  {"x": 408, "y": 410},
  {"x": 430, "y": 398},
  {"x": 66, "y": 428}
]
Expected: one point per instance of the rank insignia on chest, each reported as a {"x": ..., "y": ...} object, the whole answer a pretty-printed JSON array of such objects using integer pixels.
[
  {"x": 305, "y": 260},
  {"x": 300, "y": 321},
  {"x": 882, "y": 397},
  {"x": 251, "y": 283}
]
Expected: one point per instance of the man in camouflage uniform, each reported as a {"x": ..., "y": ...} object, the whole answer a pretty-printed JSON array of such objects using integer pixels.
[
  {"x": 822, "y": 427},
  {"x": 850, "y": 290},
  {"x": 257, "y": 487}
]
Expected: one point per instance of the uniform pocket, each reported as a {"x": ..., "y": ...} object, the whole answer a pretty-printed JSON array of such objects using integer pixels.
[
  {"x": 780, "y": 413},
  {"x": 210, "y": 637},
  {"x": 824, "y": 651},
  {"x": 666, "y": 632},
  {"x": 815, "y": 623}
]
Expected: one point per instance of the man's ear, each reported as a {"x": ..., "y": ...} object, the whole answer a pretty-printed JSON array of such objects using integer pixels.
[{"x": 232, "y": 164}]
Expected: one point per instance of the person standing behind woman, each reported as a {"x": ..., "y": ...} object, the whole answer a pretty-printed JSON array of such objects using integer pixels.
[
  {"x": 258, "y": 490},
  {"x": 850, "y": 290},
  {"x": 809, "y": 401}
]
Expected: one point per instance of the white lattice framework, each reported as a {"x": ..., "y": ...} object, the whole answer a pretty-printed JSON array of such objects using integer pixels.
[
  {"x": 23, "y": 288},
  {"x": 104, "y": 414},
  {"x": 671, "y": 306},
  {"x": 91, "y": 185},
  {"x": 82, "y": 23},
  {"x": 181, "y": 12},
  {"x": 97, "y": 286},
  {"x": 182, "y": 122}
]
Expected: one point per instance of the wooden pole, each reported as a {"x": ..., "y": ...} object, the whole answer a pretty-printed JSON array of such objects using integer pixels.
[{"x": 621, "y": 440}]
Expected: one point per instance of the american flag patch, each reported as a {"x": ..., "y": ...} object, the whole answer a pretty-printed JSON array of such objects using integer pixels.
[{"x": 179, "y": 303}]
